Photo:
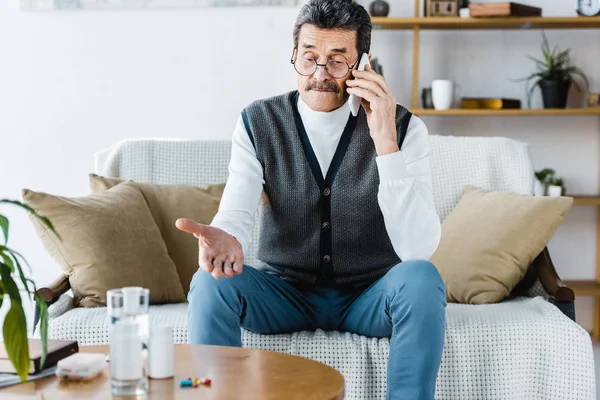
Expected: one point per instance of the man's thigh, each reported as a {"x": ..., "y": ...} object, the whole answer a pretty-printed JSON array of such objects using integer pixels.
[
  {"x": 366, "y": 312},
  {"x": 271, "y": 305},
  {"x": 408, "y": 287}
]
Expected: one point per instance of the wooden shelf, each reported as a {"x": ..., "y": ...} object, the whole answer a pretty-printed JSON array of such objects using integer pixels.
[
  {"x": 585, "y": 200},
  {"x": 509, "y": 112},
  {"x": 584, "y": 288},
  {"x": 441, "y": 23}
]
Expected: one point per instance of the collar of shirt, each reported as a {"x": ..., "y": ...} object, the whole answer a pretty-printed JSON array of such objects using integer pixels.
[{"x": 331, "y": 122}]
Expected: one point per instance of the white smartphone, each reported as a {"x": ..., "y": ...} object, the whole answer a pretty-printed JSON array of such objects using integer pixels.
[{"x": 354, "y": 101}]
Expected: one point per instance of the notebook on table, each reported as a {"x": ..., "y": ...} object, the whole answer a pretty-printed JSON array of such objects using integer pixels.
[{"x": 57, "y": 350}]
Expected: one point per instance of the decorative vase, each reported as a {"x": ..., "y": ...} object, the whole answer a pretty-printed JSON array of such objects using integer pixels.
[
  {"x": 555, "y": 93},
  {"x": 379, "y": 8},
  {"x": 538, "y": 188},
  {"x": 555, "y": 191}
]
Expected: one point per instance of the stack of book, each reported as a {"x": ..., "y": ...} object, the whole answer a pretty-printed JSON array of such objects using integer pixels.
[
  {"x": 503, "y": 9},
  {"x": 489, "y": 103},
  {"x": 57, "y": 350}
]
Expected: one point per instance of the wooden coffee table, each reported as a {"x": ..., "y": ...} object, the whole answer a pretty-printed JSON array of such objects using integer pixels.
[{"x": 236, "y": 373}]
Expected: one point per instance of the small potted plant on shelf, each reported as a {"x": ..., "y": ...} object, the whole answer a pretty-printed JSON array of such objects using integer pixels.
[
  {"x": 554, "y": 77},
  {"x": 556, "y": 187},
  {"x": 13, "y": 282},
  {"x": 542, "y": 178}
]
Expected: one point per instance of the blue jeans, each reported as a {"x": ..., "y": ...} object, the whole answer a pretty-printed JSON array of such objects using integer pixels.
[{"x": 408, "y": 304}]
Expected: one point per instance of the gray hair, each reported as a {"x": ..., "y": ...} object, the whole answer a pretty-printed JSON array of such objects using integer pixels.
[{"x": 337, "y": 14}]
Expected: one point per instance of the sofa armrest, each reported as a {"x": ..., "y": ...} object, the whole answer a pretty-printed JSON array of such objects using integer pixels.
[
  {"x": 548, "y": 277},
  {"x": 53, "y": 291}
]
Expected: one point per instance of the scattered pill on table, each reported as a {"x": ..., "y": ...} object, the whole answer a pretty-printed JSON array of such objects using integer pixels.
[
  {"x": 186, "y": 383},
  {"x": 194, "y": 382}
]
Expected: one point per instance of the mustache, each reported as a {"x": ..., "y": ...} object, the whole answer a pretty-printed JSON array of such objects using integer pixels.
[{"x": 322, "y": 86}]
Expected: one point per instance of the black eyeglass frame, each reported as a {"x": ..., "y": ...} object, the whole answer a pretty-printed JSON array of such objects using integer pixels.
[{"x": 317, "y": 65}]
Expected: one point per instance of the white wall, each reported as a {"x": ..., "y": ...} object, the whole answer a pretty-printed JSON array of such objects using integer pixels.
[{"x": 72, "y": 83}]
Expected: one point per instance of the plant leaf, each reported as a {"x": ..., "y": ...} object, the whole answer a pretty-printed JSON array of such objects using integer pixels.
[
  {"x": 15, "y": 327},
  {"x": 45, "y": 221},
  {"x": 527, "y": 78},
  {"x": 15, "y": 339},
  {"x": 579, "y": 72},
  {"x": 43, "y": 313},
  {"x": 1, "y": 292},
  {"x": 16, "y": 255},
  {"x": 24, "y": 280},
  {"x": 10, "y": 287},
  {"x": 538, "y": 62},
  {"x": 4, "y": 226},
  {"x": 8, "y": 261}
]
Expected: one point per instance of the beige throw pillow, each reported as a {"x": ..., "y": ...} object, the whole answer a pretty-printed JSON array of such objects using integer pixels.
[
  {"x": 168, "y": 203},
  {"x": 490, "y": 239},
  {"x": 109, "y": 240}
]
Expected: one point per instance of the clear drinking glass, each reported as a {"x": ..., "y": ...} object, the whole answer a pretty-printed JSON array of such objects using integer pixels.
[{"x": 128, "y": 333}]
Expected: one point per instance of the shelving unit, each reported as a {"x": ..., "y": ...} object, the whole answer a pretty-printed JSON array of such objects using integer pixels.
[
  {"x": 456, "y": 23},
  {"x": 586, "y": 200},
  {"x": 507, "y": 112},
  {"x": 585, "y": 288},
  {"x": 418, "y": 23}
]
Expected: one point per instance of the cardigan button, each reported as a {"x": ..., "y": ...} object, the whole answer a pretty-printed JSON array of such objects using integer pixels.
[
  {"x": 325, "y": 225},
  {"x": 326, "y": 191},
  {"x": 326, "y": 258}
]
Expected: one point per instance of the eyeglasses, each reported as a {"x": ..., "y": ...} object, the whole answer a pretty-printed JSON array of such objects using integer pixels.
[{"x": 308, "y": 66}]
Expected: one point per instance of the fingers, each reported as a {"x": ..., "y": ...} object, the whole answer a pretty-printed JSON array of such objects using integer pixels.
[
  {"x": 370, "y": 75},
  {"x": 219, "y": 253},
  {"x": 367, "y": 106},
  {"x": 227, "y": 269},
  {"x": 230, "y": 265},
  {"x": 205, "y": 260},
  {"x": 367, "y": 84},
  {"x": 364, "y": 93},
  {"x": 217, "y": 272},
  {"x": 189, "y": 226},
  {"x": 220, "y": 265},
  {"x": 238, "y": 266}
]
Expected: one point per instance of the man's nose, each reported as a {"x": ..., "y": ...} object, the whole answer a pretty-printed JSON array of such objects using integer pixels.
[{"x": 321, "y": 74}]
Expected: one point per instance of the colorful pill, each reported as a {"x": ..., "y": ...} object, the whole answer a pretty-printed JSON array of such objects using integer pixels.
[{"x": 186, "y": 383}]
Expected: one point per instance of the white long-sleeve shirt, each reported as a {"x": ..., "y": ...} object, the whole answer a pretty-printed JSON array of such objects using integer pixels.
[{"x": 405, "y": 194}]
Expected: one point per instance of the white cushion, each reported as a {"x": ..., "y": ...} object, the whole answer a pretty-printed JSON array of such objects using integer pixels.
[{"x": 519, "y": 349}]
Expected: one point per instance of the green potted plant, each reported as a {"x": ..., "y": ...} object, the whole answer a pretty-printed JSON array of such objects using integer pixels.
[
  {"x": 542, "y": 178},
  {"x": 554, "y": 76},
  {"x": 556, "y": 187},
  {"x": 14, "y": 327}
]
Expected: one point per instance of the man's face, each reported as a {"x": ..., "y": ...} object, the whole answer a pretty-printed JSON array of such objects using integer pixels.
[{"x": 320, "y": 91}]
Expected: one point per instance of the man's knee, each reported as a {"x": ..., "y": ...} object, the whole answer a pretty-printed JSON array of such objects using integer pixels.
[
  {"x": 215, "y": 308},
  {"x": 419, "y": 280},
  {"x": 208, "y": 293}
]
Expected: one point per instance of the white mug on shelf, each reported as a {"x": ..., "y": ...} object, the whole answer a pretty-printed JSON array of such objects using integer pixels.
[{"x": 443, "y": 94}]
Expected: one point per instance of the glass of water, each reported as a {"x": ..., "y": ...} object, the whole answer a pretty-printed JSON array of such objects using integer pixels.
[{"x": 128, "y": 333}]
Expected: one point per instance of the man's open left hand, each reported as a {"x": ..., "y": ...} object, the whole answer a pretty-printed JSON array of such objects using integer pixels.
[{"x": 380, "y": 106}]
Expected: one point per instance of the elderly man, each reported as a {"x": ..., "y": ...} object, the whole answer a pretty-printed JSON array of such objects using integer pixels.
[{"x": 347, "y": 217}]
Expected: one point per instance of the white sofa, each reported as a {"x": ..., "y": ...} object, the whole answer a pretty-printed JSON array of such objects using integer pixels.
[{"x": 526, "y": 347}]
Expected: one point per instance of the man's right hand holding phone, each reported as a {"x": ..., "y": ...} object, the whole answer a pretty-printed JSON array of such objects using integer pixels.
[{"x": 219, "y": 253}]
